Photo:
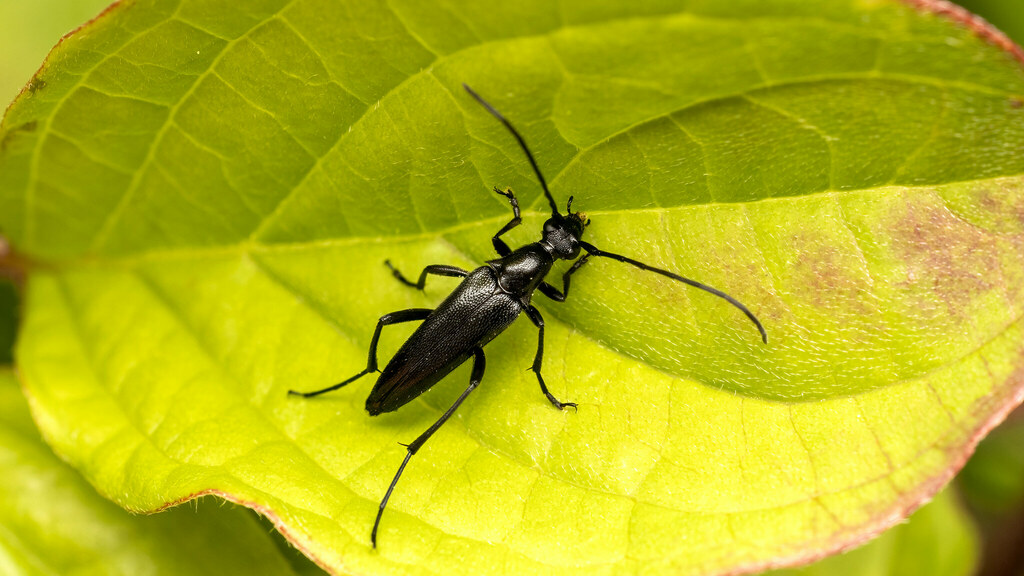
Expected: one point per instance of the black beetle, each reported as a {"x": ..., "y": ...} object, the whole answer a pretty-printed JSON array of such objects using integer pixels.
[{"x": 481, "y": 307}]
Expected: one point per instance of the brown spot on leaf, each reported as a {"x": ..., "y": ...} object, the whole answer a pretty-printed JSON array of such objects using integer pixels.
[
  {"x": 949, "y": 258},
  {"x": 830, "y": 276},
  {"x": 1016, "y": 103},
  {"x": 999, "y": 206},
  {"x": 36, "y": 84},
  {"x": 1002, "y": 203}
]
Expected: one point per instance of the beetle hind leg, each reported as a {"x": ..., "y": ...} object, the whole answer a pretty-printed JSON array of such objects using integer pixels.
[
  {"x": 474, "y": 381},
  {"x": 410, "y": 315}
]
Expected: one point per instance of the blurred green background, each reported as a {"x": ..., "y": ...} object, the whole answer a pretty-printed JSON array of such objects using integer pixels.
[
  {"x": 28, "y": 29},
  {"x": 991, "y": 487},
  {"x": 1007, "y": 15}
]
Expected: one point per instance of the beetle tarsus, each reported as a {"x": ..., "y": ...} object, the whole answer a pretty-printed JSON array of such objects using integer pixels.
[
  {"x": 399, "y": 276},
  {"x": 499, "y": 245},
  {"x": 562, "y": 405},
  {"x": 436, "y": 269},
  {"x": 334, "y": 387}
]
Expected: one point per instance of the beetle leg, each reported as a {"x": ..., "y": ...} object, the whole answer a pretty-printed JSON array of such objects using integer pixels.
[
  {"x": 499, "y": 244},
  {"x": 474, "y": 381},
  {"x": 398, "y": 317},
  {"x": 538, "y": 320},
  {"x": 552, "y": 292},
  {"x": 436, "y": 269}
]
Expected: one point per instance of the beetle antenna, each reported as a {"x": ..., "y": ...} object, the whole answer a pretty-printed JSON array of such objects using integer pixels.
[
  {"x": 522, "y": 144},
  {"x": 594, "y": 251}
]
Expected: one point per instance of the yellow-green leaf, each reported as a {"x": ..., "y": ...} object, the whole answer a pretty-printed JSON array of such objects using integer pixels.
[{"x": 207, "y": 193}]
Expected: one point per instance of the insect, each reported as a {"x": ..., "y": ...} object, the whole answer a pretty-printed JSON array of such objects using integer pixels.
[{"x": 484, "y": 304}]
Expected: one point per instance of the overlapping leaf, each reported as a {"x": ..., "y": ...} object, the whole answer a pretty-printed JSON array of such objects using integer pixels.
[
  {"x": 53, "y": 522},
  {"x": 209, "y": 191}
]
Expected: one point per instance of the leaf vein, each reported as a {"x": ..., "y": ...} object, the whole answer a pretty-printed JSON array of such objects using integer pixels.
[{"x": 103, "y": 234}]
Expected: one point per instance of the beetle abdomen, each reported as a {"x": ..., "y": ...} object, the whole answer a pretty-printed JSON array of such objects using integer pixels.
[{"x": 469, "y": 317}]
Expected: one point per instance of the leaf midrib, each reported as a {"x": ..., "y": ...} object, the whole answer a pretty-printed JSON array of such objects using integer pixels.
[{"x": 134, "y": 260}]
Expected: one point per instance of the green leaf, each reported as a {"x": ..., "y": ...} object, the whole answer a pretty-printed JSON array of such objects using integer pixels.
[
  {"x": 939, "y": 540},
  {"x": 53, "y": 522},
  {"x": 209, "y": 193}
]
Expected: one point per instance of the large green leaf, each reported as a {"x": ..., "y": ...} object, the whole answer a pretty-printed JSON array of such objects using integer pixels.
[
  {"x": 208, "y": 193},
  {"x": 53, "y": 522}
]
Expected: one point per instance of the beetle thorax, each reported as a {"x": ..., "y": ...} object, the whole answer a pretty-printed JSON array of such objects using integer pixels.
[{"x": 522, "y": 271}]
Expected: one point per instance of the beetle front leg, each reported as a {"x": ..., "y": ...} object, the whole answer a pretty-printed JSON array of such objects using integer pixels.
[
  {"x": 410, "y": 315},
  {"x": 538, "y": 320},
  {"x": 552, "y": 292},
  {"x": 499, "y": 245},
  {"x": 436, "y": 269}
]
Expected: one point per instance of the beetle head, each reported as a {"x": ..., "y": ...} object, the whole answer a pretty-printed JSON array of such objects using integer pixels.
[{"x": 563, "y": 233}]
